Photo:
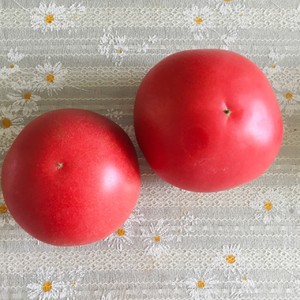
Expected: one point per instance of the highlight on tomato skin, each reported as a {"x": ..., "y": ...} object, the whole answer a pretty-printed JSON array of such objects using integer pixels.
[
  {"x": 71, "y": 177},
  {"x": 207, "y": 120}
]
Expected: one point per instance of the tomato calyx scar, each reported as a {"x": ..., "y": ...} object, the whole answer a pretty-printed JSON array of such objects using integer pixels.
[
  {"x": 227, "y": 112},
  {"x": 59, "y": 165}
]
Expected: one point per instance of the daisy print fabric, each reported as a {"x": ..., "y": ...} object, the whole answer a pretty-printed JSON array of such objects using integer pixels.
[
  {"x": 49, "y": 77},
  {"x": 239, "y": 244},
  {"x": 231, "y": 261},
  {"x": 12, "y": 67},
  {"x": 125, "y": 234},
  {"x": 23, "y": 98},
  {"x": 116, "y": 47},
  {"x": 52, "y": 284},
  {"x": 156, "y": 238},
  {"x": 202, "y": 285},
  {"x": 53, "y": 17},
  {"x": 269, "y": 206}
]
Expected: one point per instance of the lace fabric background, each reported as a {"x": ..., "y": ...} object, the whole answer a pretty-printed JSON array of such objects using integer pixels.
[{"x": 239, "y": 244}]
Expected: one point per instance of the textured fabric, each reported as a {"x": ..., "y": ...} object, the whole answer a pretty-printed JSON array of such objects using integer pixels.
[{"x": 238, "y": 244}]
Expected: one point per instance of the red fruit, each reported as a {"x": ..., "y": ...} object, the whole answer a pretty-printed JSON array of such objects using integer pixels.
[
  {"x": 71, "y": 177},
  {"x": 207, "y": 120}
]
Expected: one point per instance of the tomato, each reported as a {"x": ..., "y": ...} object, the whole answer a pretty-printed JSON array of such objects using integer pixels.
[
  {"x": 71, "y": 177},
  {"x": 207, "y": 120}
]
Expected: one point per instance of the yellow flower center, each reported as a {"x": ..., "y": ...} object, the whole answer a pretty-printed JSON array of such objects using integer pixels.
[
  {"x": 157, "y": 238},
  {"x": 230, "y": 259},
  {"x": 120, "y": 50},
  {"x": 47, "y": 286},
  {"x": 49, "y": 19},
  {"x": 6, "y": 123},
  {"x": 245, "y": 278},
  {"x": 288, "y": 96},
  {"x": 3, "y": 209},
  {"x": 50, "y": 78},
  {"x": 227, "y": 1},
  {"x": 273, "y": 66},
  {"x": 198, "y": 20},
  {"x": 268, "y": 205},
  {"x": 201, "y": 284},
  {"x": 121, "y": 232},
  {"x": 11, "y": 66},
  {"x": 27, "y": 96}
]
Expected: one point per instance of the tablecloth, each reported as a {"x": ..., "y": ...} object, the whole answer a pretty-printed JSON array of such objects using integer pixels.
[{"x": 242, "y": 243}]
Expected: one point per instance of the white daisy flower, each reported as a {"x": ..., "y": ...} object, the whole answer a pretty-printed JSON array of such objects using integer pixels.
[
  {"x": 73, "y": 14},
  {"x": 71, "y": 280},
  {"x": 269, "y": 206},
  {"x": 273, "y": 67},
  {"x": 10, "y": 126},
  {"x": 5, "y": 72},
  {"x": 246, "y": 283},
  {"x": 289, "y": 97},
  {"x": 123, "y": 235},
  {"x": 52, "y": 17},
  {"x": 113, "y": 45},
  {"x": 50, "y": 77},
  {"x": 52, "y": 285},
  {"x": 24, "y": 98},
  {"x": 116, "y": 47},
  {"x": 199, "y": 20},
  {"x": 271, "y": 70},
  {"x": 202, "y": 286},
  {"x": 230, "y": 260},
  {"x": 114, "y": 114},
  {"x": 14, "y": 56},
  {"x": 47, "y": 285},
  {"x": 156, "y": 238},
  {"x": 119, "y": 49},
  {"x": 5, "y": 216},
  {"x": 48, "y": 17}
]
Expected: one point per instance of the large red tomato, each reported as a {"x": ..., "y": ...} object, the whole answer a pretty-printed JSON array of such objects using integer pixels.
[
  {"x": 71, "y": 177},
  {"x": 207, "y": 120}
]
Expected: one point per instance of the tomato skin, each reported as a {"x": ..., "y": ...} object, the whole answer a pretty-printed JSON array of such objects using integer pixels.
[
  {"x": 71, "y": 177},
  {"x": 207, "y": 120}
]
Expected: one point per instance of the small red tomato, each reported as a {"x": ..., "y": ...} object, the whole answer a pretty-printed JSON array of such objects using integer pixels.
[
  {"x": 207, "y": 120},
  {"x": 71, "y": 177}
]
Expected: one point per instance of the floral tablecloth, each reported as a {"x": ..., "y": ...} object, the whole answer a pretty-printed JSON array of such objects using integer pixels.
[{"x": 239, "y": 244}]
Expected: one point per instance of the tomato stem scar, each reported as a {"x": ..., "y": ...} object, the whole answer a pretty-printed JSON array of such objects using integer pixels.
[
  {"x": 59, "y": 165},
  {"x": 227, "y": 112}
]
